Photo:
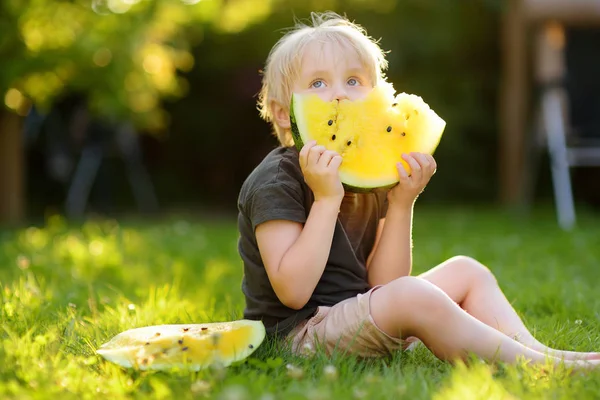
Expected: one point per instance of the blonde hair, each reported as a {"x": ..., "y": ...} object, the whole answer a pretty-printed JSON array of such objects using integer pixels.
[{"x": 283, "y": 62}]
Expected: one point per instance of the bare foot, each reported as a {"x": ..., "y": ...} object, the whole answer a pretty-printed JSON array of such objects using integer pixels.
[{"x": 583, "y": 366}]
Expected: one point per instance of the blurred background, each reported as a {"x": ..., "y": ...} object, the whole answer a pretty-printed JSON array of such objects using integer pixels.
[{"x": 120, "y": 107}]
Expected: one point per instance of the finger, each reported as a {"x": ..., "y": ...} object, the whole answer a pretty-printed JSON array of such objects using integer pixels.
[
  {"x": 423, "y": 161},
  {"x": 433, "y": 164},
  {"x": 430, "y": 162},
  {"x": 314, "y": 154},
  {"x": 326, "y": 158},
  {"x": 428, "y": 166},
  {"x": 335, "y": 162},
  {"x": 402, "y": 173},
  {"x": 415, "y": 168},
  {"x": 304, "y": 152}
]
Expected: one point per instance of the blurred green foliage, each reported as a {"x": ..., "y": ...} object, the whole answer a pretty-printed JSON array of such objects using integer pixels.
[
  {"x": 189, "y": 69},
  {"x": 125, "y": 55}
]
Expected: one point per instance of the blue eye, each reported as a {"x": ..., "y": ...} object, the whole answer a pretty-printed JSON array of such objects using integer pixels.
[
  {"x": 352, "y": 82},
  {"x": 317, "y": 84}
]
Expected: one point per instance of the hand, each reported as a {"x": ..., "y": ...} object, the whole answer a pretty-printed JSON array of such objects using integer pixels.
[
  {"x": 422, "y": 166},
  {"x": 321, "y": 171}
]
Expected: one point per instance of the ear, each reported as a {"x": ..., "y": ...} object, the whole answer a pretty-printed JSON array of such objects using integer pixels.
[{"x": 281, "y": 115}]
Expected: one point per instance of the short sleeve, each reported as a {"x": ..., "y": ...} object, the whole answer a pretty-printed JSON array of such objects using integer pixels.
[{"x": 276, "y": 201}]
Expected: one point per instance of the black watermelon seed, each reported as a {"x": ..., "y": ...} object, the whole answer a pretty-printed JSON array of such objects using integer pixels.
[
  {"x": 186, "y": 329},
  {"x": 204, "y": 328},
  {"x": 394, "y": 105},
  {"x": 403, "y": 134},
  {"x": 333, "y": 137},
  {"x": 330, "y": 122},
  {"x": 184, "y": 348},
  {"x": 389, "y": 128},
  {"x": 250, "y": 346},
  {"x": 147, "y": 343},
  {"x": 349, "y": 142},
  {"x": 180, "y": 341}
]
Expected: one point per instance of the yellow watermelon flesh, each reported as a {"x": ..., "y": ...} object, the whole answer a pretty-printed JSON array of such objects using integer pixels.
[
  {"x": 370, "y": 134},
  {"x": 186, "y": 346}
]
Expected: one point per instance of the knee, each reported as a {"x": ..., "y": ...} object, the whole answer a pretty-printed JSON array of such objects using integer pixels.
[
  {"x": 416, "y": 300},
  {"x": 414, "y": 292},
  {"x": 472, "y": 269},
  {"x": 399, "y": 307}
]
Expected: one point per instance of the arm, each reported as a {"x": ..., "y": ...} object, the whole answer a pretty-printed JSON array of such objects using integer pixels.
[
  {"x": 391, "y": 257},
  {"x": 295, "y": 255},
  {"x": 377, "y": 240}
]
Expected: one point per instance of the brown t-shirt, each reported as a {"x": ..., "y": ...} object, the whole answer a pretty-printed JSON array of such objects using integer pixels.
[{"x": 276, "y": 190}]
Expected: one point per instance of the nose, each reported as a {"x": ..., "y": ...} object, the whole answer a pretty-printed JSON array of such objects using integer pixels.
[{"x": 340, "y": 93}]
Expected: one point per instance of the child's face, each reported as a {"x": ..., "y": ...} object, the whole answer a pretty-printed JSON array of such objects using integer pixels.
[{"x": 333, "y": 72}]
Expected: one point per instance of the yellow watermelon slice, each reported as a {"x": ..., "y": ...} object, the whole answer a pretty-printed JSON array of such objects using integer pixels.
[
  {"x": 186, "y": 346},
  {"x": 370, "y": 134}
]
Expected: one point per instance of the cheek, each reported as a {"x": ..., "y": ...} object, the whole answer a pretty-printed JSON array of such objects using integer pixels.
[
  {"x": 359, "y": 92},
  {"x": 324, "y": 95}
]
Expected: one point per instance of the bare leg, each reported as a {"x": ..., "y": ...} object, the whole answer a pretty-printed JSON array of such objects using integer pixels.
[
  {"x": 470, "y": 284},
  {"x": 410, "y": 306}
]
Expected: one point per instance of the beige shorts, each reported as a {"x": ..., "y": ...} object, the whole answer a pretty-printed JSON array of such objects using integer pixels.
[{"x": 346, "y": 327}]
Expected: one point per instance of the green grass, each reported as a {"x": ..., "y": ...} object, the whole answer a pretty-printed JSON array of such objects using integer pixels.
[{"x": 68, "y": 289}]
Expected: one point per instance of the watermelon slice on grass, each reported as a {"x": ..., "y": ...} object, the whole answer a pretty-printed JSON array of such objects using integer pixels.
[{"x": 186, "y": 346}]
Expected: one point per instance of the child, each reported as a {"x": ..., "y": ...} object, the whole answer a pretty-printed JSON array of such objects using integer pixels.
[{"x": 329, "y": 268}]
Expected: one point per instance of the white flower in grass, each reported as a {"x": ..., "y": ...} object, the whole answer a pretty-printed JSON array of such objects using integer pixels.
[
  {"x": 294, "y": 372},
  {"x": 330, "y": 373},
  {"x": 308, "y": 349},
  {"x": 578, "y": 322}
]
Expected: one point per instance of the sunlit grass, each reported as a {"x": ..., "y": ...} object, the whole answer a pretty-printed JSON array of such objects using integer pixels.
[{"x": 66, "y": 290}]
